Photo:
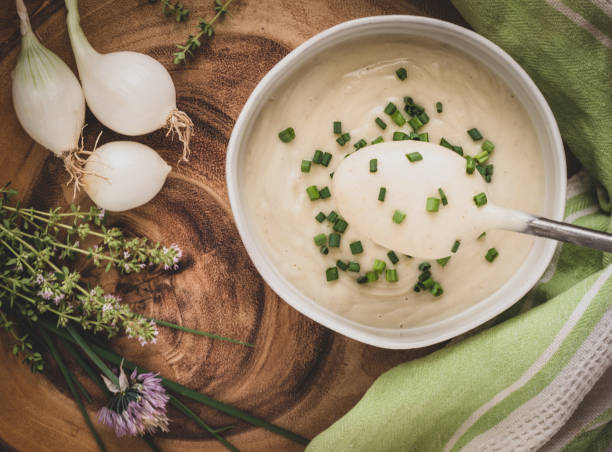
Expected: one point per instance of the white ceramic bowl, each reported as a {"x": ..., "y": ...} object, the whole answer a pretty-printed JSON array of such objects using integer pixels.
[{"x": 491, "y": 56}]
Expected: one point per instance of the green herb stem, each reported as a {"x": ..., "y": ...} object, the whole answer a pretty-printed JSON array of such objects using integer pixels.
[
  {"x": 199, "y": 333},
  {"x": 195, "y": 418},
  {"x": 65, "y": 373}
]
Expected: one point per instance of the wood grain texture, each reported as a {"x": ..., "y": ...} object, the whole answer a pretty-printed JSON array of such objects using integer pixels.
[{"x": 300, "y": 375}]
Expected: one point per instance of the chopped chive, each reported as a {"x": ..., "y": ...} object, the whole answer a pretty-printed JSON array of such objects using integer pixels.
[
  {"x": 445, "y": 143},
  {"x": 401, "y": 73},
  {"x": 332, "y": 217},
  {"x": 324, "y": 193},
  {"x": 361, "y": 143},
  {"x": 393, "y": 257},
  {"x": 320, "y": 217},
  {"x": 470, "y": 164},
  {"x": 481, "y": 236},
  {"x": 372, "y": 276},
  {"x": 305, "y": 167},
  {"x": 488, "y": 146},
  {"x": 287, "y": 135},
  {"x": 382, "y": 193},
  {"x": 340, "y": 225},
  {"x": 455, "y": 246},
  {"x": 424, "y": 137},
  {"x": 482, "y": 157},
  {"x": 320, "y": 239},
  {"x": 337, "y": 127},
  {"x": 414, "y": 156},
  {"x": 398, "y": 216},
  {"x": 436, "y": 290},
  {"x": 424, "y": 118},
  {"x": 341, "y": 265},
  {"x": 356, "y": 247},
  {"x": 317, "y": 157},
  {"x": 343, "y": 139},
  {"x": 379, "y": 266},
  {"x": 439, "y": 107},
  {"x": 326, "y": 159},
  {"x": 378, "y": 139},
  {"x": 391, "y": 275},
  {"x": 324, "y": 250},
  {"x": 491, "y": 254},
  {"x": 362, "y": 280},
  {"x": 475, "y": 134},
  {"x": 480, "y": 199},
  {"x": 390, "y": 108},
  {"x": 411, "y": 108},
  {"x": 443, "y": 197},
  {"x": 331, "y": 274},
  {"x": 432, "y": 204},
  {"x": 425, "y": 275},
  {"x": 382, "y": 124},
  {"x": 414, "y": 136},
  {"x": 400, "y": 136},
  {"x": 424, "y": 266},
  {"x": 428, "y": 283},
  {"x": 313, "y": 193},
  {"x": 354, "y": 267},
  {"x": 443, "y": 261},
  {"x": 398, "y": 118},
  {"x": 331, "y": 175},
  {"x": 415, "y": 123},
  {"x": 373, "y": 165},
  {"x": 334, "y": 240}
]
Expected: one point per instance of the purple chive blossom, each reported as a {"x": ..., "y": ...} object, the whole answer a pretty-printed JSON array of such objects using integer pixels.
[
  {"x": 145, "y": 410},
  {"x": 126, "y": 254},
  {"x": 102, "y": 214},
  {"x": 58, "y": 298},
  {"x": 40, "y": 279}
]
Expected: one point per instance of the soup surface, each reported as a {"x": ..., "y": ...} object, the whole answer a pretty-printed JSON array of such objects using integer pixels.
[{"x": 354, "y": 84}]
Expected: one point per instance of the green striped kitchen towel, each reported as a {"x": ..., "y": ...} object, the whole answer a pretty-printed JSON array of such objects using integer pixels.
[{"x": 539, "y": 377}]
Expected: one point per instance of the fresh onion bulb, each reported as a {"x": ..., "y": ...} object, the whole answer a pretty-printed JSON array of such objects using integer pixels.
[
  {"x": 122, "y": 175},
  {"x": 129, "y": 92},
  {"x": 47, "y": 97}
]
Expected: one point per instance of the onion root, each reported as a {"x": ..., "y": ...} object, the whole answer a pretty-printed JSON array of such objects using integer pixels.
[
  {"x": 180, "y": 124},
  {"x": 74, "y": 162}
]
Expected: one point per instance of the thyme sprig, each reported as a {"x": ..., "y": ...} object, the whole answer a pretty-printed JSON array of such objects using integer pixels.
[
  {"x": 36, "y": 248},
  {"x": 206, "y": 29},
  {"x": 178, "y": 9}
]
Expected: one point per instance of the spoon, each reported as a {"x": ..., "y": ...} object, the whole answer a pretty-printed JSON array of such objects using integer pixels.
[{"x": 401, "y": 222}]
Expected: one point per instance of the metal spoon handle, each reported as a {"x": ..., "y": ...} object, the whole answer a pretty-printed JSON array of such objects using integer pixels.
[{"x": 565, "y": 232}]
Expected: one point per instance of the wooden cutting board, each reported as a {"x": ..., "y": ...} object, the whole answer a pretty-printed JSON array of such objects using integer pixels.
[{"x": 301, "y": 375}]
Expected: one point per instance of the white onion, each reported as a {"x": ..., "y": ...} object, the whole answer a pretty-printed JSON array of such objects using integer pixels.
[
  {"x": 47, "y": 96},
  {"x": 129, "y": 92},
  {"x": 122, "y": 175}
]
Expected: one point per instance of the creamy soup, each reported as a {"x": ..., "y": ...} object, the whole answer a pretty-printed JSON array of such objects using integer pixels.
[{"x": 353, "y": 84}]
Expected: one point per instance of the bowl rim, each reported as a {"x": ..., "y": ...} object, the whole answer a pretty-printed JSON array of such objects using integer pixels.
[{"x": 393, "y": 338}]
